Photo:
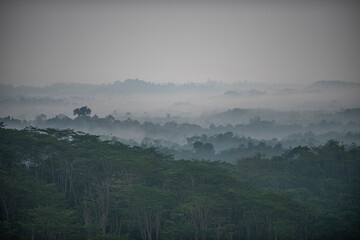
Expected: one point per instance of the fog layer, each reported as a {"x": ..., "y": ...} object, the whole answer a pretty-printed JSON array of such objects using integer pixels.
[{"x": 146, "y": 100}]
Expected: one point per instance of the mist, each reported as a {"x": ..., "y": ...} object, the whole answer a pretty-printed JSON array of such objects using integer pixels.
[
  {"x": 200, "y": 119},
  {"x": 137, "y": 112},
  {"x": 147, "y": 100}
]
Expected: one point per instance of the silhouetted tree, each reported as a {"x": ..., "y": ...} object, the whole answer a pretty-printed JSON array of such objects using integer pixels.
[
  {"x": 82, "y": 112},
  {"x": 208, "y": 148}
]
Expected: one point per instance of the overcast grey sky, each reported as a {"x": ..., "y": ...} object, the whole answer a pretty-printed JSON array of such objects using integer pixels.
[{"x": 44, "y": 42}]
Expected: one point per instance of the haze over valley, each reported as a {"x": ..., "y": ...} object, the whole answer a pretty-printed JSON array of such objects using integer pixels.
[
  {"x": 189, "y": 120},
  {"x": 172, "y": 117},
  {"x": 191, "y": 100}
]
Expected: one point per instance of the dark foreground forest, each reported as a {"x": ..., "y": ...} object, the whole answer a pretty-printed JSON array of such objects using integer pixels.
[{"x": 61, "y": 184}]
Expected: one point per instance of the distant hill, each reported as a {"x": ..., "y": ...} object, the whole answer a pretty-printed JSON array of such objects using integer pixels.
[
  {"x": 128, "y": 86},
  {"x": 333, "y": 84}
]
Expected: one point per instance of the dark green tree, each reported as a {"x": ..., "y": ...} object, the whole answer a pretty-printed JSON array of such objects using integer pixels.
[{"x": 82, "y": 112}]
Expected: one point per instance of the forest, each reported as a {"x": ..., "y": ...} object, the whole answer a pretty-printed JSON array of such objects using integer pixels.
[
  {"x": 66, "y": 184},
  {"x": 218, "y": 142}
]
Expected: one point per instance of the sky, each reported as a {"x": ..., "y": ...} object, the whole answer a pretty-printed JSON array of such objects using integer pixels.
[{"x": 99, "y": 42}]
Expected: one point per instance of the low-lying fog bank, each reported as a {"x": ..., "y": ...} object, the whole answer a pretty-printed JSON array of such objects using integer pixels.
[
  {"x": 145, "y": 100},
  {"x": 209, "y": 120}
]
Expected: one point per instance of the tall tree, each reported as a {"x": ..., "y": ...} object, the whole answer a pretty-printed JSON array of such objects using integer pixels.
[{"x": 82, "y": 112}]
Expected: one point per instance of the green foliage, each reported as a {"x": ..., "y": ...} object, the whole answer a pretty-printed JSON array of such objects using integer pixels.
[
  {"x": 61, "y": 184},
  {"x": 324, "y": 178}
]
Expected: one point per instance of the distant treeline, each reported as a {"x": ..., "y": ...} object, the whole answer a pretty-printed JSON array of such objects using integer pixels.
[
  {"x": 342, "y": 122},
  {"x": 128, "y": 86},
  {"x": 186, "y": 140},
  {"x": 62, "y": 184},
  {"x": 141, "y": 86}
]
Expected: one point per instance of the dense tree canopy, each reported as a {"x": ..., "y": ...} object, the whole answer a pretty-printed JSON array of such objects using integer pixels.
[{"x": 62, "y": 184}]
